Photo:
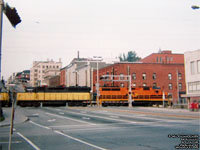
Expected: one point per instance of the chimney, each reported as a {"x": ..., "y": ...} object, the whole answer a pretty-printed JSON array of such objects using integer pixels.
[{"x": 78, "y": 55}]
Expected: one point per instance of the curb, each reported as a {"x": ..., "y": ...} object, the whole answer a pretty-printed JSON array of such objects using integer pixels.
[{"x": 8, "y": 124}]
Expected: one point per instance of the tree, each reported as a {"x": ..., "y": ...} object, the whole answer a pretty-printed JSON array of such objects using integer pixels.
[{"x": 130, "y": 57}]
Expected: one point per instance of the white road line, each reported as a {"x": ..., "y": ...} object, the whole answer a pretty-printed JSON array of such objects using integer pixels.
[
  {"x": 145, "y": 117},
  {"x": 51, "y": 120},
  {"x": 81, "y": 141},
  {"x": 86, "y": 118},
  {"x": 104, "y": 117},
  {"x": 61, "y": 113},
  {"x": 85, "y": 125},
  {"x": 114, "y": 116},
  {"x": 70, "y": 118},
  {"x": 16, "y": 142},
  {"x": 27, "y": 140},
  {"x": 61, "y": 126},
  {"x": 89, "y": 129},
  {"x": 39, "y": 125},
  {"x": 57, "y": 109}
]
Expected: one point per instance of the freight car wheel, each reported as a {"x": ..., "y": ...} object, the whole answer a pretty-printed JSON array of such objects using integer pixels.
[
  {"x": 104, "y": 104},
  {"x": 37, "y": 104},
  {"x": 84, "y": 104},
  {"x": 22, "y": 104}
]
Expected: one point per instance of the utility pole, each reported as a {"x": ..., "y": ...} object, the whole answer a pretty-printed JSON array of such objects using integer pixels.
[
  {"x": 98, "y": 58},
  {"x": 1, "y": 23},
  {"x": 12, "y": 16}
]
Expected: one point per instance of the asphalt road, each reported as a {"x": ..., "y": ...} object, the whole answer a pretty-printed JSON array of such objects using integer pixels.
[{"x": 112, "y": 128}]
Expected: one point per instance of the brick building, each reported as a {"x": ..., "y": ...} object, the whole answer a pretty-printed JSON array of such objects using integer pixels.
[
  {"x": 168, "y": 76},
  {"x": 63, "y": 76},
  {"x": 165, "y": 57},
  {"x": 54, "y": 81}
]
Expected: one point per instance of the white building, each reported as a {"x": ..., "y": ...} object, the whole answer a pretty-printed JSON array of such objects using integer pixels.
[
  {"x": 80, "y": 71},
  {"x": 43, "y": 69},
  {"x": 192, "y": 74}
]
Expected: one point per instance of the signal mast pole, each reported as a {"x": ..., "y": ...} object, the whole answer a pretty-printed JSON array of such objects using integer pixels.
[{"x": 1, "y": 23}]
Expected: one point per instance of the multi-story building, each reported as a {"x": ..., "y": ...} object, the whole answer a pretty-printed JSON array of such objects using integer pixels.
[
  {"x": 20, "y": 77},
  {"x": 43, "y": 69},
  {"x": 168, "y": 75},
  {"x": 79, "y": 72},
  {"x": 192, "y": 72}
]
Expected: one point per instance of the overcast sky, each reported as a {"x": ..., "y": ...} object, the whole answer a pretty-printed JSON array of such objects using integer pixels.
[{"x": 59, "y": 28}]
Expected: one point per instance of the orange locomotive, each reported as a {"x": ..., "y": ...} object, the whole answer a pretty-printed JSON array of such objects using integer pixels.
[{"x": 118, "y": 96}]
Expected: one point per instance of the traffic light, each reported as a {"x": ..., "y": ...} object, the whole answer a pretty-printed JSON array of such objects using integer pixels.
[
  {"x": 12, "y": 15},
  {"x": 195, "y": 7}
]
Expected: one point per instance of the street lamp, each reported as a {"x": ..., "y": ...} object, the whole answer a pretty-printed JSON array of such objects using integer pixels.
[{"x": 97, "y": 58}]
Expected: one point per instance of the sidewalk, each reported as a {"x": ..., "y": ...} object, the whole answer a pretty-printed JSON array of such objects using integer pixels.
[
  {"x": 170, "y": 109},
  {"x": 18, "y": 118}
]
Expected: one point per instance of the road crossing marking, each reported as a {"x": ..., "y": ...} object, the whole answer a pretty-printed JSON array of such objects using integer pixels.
[
  {"x": 39, "y": 125},
  {"x": 81, "y": 141},
  {"x": 15, "y": 142},
  {"x": 69, "y": 118},
  {"x": 115, "y": 119},
  {"x": 51, "y": 120},
  {"x": 86, "y": 118},
  {"x": 61, "y": 113},
  {"x": 101, "y": 128},
  {"x": 27, "y": 140}
]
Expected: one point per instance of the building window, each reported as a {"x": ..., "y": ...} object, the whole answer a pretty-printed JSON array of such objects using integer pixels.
[
  {"x": 154, "y": 84},
  {"x": 194, "y": 86},
  {"x": 121, "y": 84},
  {"x": 35, "y": 70},
  {"x": 154, "y": 76},
  {"x": 46, "y": 66},
  {"x": 144, "y": 77},
  {"x": 134, "y": 76},
  {"x": 192, "y": 67},
  {"x": 169, "y": 76},
  {"x": 157, "y": 59},
  {"x": 170, "y": 86},
  {"x": 134, "y": 84},
  {"x": 180, "y": 86},
  {"x": 198, "y": 66},
  {"x": 57, "y": 66},
  {"x": 121, "y": 76},
  {"x": 144, "y": 84},
  {"x": 161, "y": 59},
  {"x": 179, "y": 76}
]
